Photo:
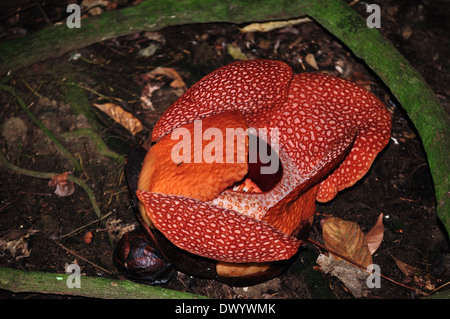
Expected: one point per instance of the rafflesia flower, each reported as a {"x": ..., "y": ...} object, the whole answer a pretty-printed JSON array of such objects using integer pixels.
[{"x": 239, "y": 161}]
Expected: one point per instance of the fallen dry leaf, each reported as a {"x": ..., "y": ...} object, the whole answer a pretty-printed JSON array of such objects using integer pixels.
[
  {"x": 146, "y": 96},
  {"x": 177, "y": 81},
  {"x": 14, "y": 241},
  {"x": 236, "y": 52},
  {"x": 154, "y": 36},
  {"x": 64, "y": 187},
  {"x": 154, "y": 80},
  {"x": 347, "y": 239},
  {"x": 415, "y": 275},
  {"x": 96, "y": 7},
  {"x": 124, "y": 118},
  {"x": 352, "y": 277},
  {"x": 116, "y": 229},
  {"x": 311, "y": 60},
  {"x": 406, "y": 32},
  {"x": 375, "y": 235},
  {"x": 268, "y": 26},
  {"x": 407, "y": 270},
  {"x": 149, "y": 50}
]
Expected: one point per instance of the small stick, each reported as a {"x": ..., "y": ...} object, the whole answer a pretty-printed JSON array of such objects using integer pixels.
[
  {"x": 81, "y": 257},
  {"x": 84, "y": 226}
]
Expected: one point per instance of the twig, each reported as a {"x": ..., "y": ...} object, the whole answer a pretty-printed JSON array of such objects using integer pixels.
[
  {"x": 440, "y": 287},
  {"x": 42, "y": 127},
  {"x": 8, "y": 205},
  {"x": 353, "y": 3},
  {"x": 98, "y": 93},
  {"x": 42, "y": 11},
  {"x": 81, "y": 257},
  {"x": 84, "y": 226},
  {"x": 31, "y": 89}
]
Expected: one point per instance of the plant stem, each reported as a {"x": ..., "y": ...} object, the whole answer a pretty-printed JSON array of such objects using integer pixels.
[{"x": 102, "y": 148}]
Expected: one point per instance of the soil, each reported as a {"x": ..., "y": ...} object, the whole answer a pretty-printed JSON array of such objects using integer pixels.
[{"x": 399, "y": 184}]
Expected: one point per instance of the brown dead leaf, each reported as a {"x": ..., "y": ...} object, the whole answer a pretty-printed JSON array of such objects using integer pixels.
[
  {"x": 95, "y": 7},
  {"x": 347, "y": 239},
  {"x": 407, "y": 270},
  {"x": 146, "y": 96},
  {"x": 124, "y": 118},
  {"x": 272, "y": 25},
  {"x": 406, "y": 32},
  {"x": 154, "y": 80},
  {"x": 311, "y": 60},
  {"x": 15, "y": 242},
  {"x": 375, "y": 235},
  {"x": 116, "y": 229},
  {"x": 177, "y": 81},
  {"x": 415, "y": 275},
  {"x": 64, "y": 187}
]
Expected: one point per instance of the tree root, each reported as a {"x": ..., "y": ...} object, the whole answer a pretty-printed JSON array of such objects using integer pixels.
[{"x": 93, "y": 287}]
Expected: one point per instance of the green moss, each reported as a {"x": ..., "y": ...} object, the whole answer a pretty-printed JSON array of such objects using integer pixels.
[{"x": 53, "y": 283}]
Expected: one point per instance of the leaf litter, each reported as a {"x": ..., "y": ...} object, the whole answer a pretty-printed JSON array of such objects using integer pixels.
[
  {"x": 16, "y": 243},
  {"x": 348, "y": 243}
]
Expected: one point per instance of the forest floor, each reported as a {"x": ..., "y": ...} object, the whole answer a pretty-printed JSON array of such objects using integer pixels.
[{"x": 415, "y": 250}]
